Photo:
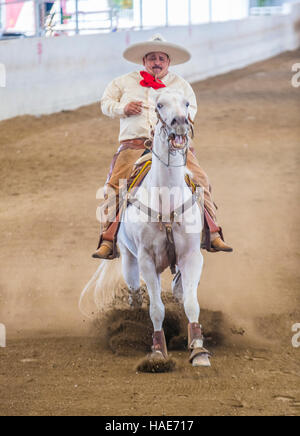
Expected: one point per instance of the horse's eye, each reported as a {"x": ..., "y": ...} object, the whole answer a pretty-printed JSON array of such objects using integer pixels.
[
  {"x": 160, "y": 106},
  {"x": 188, "y": 104}
]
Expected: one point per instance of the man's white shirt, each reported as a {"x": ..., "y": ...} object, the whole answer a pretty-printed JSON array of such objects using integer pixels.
[{"x": 127, "y": 88}]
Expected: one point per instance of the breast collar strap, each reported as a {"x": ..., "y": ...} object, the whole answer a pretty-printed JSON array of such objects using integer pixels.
[{"x": 158, "y": 217}]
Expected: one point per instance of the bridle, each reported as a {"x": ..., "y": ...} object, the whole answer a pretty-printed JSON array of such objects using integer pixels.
[
  {"x": 156, "y": 216},
  {"x": 170, "y": 136}
]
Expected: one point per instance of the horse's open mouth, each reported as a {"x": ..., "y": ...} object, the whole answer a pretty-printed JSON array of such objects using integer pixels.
[{"x": 178, "y": 142}]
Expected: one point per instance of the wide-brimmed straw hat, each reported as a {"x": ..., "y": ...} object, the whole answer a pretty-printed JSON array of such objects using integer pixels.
[{"x": 136, "y": 52}]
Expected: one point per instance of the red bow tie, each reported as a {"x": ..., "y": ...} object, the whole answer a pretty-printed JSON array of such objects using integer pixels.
[{"x": 150, "y": 82}]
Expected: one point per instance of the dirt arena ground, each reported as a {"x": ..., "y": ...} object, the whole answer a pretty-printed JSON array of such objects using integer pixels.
[{"x": 56, "y": 362}]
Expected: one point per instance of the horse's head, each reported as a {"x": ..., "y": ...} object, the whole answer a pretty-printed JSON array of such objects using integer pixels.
[{"x": 172, "y": 109}]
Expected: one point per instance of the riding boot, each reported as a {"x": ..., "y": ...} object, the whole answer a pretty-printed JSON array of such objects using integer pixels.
[
  {"x": 107, "y": 248},
  {"x": 219, "y": 245},
  {"x": 105, "y": 251}
]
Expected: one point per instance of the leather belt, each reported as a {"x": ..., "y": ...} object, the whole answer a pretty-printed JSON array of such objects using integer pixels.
[{"x": 134, "y": 144}]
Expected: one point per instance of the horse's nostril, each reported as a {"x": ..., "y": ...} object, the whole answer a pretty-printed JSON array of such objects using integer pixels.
[{"x": 179, "y": 121}]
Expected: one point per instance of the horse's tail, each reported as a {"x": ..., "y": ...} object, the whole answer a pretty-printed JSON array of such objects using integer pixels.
[{"x": 101, "y": 290}]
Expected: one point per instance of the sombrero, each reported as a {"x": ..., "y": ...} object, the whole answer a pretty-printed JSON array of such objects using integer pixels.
[{"x": 136, "y": 52}]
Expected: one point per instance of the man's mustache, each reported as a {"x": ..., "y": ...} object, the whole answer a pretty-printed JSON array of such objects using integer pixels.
[{"x": 156, "y": 66}]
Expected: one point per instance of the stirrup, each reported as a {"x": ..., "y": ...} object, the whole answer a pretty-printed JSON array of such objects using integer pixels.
[{"x": 109, "y": 248}]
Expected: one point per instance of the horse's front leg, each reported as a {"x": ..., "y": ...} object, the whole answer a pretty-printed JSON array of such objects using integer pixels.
[
  {"x": 157, "y": 308},
  {"x": 131, "y": 275},
  {"x": 191, "y": 269}
]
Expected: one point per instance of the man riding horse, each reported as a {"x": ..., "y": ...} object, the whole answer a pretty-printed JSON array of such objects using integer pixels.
[{"x": 131, "y": 98}]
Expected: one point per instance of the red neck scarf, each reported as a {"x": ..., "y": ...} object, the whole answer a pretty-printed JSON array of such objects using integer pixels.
[{"x": 150, "y": 82}]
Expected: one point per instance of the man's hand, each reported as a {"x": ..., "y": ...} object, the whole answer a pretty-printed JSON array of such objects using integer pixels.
[{"x": 133, "y": 108}]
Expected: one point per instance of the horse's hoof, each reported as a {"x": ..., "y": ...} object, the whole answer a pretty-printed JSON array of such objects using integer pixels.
[
  {"x": 157, "y": 355},
  {"x": 156, "y": 363},
  {"x": 200, "y": 356},
  {"x": 201, "y": 360}
]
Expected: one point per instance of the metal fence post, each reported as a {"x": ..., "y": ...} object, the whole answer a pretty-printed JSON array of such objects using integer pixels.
[
  {"x": 141, "y": 14},
  {"x": 111, "y": 18},
  {"x": 77, "y": 17},
  {"x": 210, "y": 11},
  {"x": 167, "y": 13},
  {"x": 37, "y": 16}
]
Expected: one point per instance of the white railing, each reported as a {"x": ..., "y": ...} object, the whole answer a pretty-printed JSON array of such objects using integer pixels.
[
  {"x": 267, "y": 10},
  {"x": 52, "y": 74},
  {"x": 270, "y": 7},
  {"x": 38, "y": 18},
  {"x": 71, "y": 17}
]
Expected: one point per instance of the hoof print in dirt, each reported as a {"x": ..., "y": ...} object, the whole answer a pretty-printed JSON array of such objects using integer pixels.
[{"x": 153, "y": 364}]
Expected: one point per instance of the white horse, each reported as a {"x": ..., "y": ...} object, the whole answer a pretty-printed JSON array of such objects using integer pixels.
[
  {"x": 144, "y": 245},
  {"x": 165, "y": 228}
]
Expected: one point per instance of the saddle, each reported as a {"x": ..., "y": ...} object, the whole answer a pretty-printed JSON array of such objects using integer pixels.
[{"x": 141, "y": 169}]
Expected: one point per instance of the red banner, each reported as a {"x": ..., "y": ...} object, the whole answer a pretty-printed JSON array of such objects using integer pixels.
[{"x": 12, "y": 13}]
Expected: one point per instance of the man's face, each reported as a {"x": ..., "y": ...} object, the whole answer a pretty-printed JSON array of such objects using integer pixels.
[{"x": 157, "y": 64}]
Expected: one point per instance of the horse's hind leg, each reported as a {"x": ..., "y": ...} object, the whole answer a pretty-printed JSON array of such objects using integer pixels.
[
  {"x": 191, "y": 269},
  {"x": 131, "y": 274}
]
